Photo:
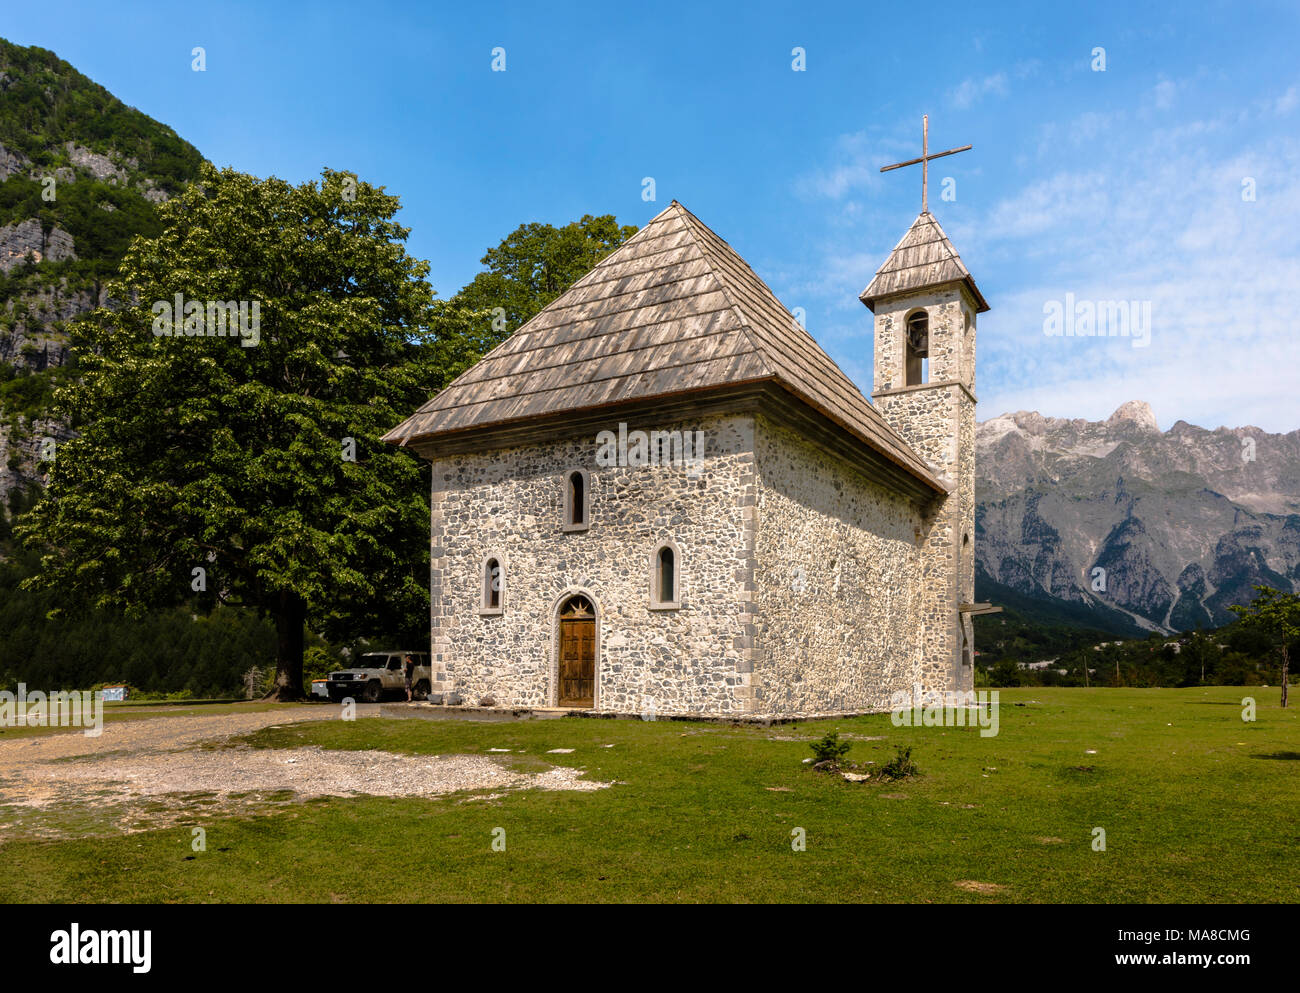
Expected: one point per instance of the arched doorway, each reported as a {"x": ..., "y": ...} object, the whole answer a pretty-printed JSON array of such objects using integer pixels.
[{"x": 577, "y": 653}]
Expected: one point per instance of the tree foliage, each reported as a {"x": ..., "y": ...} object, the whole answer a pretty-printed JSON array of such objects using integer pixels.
[
  {"x": 535, "y": 263},
  {"x": 1277, "y": 614},
  {"x": 196, "y": 452}
]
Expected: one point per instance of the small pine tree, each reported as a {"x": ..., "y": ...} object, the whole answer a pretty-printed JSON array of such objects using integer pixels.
[{"x": 829, "y": 748}]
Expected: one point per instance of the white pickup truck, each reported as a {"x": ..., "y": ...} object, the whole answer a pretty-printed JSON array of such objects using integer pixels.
[{"x": 377, "y": 674}]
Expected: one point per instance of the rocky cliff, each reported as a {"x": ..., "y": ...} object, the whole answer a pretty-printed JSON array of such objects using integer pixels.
[
  {"x": 80, "y": 176},
  {"x": 1129, "y": 525}
]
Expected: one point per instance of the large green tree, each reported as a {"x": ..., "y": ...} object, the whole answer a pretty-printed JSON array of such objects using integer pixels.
[
  {"x": 537, "y": 262},
  {"x": 255, "y": 458}
]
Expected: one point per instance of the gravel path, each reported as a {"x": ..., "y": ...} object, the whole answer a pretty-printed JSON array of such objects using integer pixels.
[
  {"x": 150, "y": 734},
  {"x": 143, "y": 763}
]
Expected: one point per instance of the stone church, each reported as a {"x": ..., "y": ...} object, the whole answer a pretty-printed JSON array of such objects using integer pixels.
[{"x": 660, "y": 495}]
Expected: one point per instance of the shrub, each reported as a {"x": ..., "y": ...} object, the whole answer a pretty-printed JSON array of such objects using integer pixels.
[
  {"x": 830, "y": 748},
  {"x": 901, "y": 765}
]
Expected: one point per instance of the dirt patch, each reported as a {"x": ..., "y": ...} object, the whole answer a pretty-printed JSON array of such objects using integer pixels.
[
  {"x": 974, "y": 886},
  {"x": 847, "y": 736},
  {"x": 151, "y": 733},
  {"x": 143, "y": 775},
  {"x": 307, "y": 772}
]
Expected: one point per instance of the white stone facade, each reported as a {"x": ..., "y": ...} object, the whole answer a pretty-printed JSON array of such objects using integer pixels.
[
  {"x": 838, "y": 562},
  {"x": 801, "y": 582},
  {"x": 509, "y": 504}
]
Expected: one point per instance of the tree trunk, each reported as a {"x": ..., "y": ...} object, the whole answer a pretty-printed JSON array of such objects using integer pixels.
[
  {"x": 1286, "y": 665},
  {"x": 290, "y": 614}
]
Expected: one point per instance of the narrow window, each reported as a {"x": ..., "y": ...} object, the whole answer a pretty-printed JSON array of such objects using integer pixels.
[
  {"x": 577, "y": 501},
  {"x": 665, "y": 575},
  {"x": 493, "y": 584},
  {"x": 575, "y": 498},
  {"x": 918, "y": 347},
  {"x": 665, "y": 591}
]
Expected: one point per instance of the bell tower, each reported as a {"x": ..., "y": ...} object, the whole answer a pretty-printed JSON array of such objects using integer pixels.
[{"x": 925, "y": 305}]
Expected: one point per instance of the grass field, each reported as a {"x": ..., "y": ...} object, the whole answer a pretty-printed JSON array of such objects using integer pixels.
[{"x": 1197, "y": 805}]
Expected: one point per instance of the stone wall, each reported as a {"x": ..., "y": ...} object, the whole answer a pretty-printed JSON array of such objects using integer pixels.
[
  {"x": 805, "y": 587},
  {"x": 951, "y": 314},
  {"x": 509, "y": 504},
  {"x": 937, "y": 419},
  {"x": 837, "y": 571}
]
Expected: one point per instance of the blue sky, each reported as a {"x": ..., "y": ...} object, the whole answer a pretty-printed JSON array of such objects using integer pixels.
[{"x": 1130, "y": 183}]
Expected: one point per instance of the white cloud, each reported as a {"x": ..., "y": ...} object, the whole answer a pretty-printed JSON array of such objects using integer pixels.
[
  {"x": 856, "y": 166},
  {"x": 1222, "y": 274},
  {"x": 1165, "y": 92},
  {"x": 970, "y": 91}
]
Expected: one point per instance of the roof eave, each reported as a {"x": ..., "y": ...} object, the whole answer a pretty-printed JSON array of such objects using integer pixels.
[
  {"x": 870, "y": 299},
  {"x": 434, "y": 444}
]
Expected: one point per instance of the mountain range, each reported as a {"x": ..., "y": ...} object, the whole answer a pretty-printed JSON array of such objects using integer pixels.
[{"x": 1129, "y": 528}]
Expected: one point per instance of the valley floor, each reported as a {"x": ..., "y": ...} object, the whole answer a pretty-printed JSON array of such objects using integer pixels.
[{"x": 1196, "y": 804}]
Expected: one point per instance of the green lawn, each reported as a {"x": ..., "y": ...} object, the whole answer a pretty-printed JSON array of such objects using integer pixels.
[{"x": 1197, "y": 805}]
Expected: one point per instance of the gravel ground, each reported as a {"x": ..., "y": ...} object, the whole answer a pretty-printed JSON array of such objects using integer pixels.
[
  {"x": 148, "y": 734},
  {"x": 135, "y": 763}
]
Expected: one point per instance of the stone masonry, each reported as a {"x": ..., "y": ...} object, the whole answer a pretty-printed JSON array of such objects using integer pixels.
[
  {"x": 797, "y": 577},
  {"x": 509, "y": 505},
  {"x": 937, "y": 418}
]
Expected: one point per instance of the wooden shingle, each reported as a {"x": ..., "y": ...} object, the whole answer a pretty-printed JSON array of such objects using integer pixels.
[
  {"x": 674, "y": 309},
  {"x": 923, "y": 258}
]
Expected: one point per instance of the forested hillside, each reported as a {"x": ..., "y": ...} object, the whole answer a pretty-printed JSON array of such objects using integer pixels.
[{"x": 81, "y": 174}]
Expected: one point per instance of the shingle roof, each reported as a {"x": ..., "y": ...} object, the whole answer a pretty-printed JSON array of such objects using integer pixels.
[
  {"x": 673, "y": 309},
  {"x": 924, "y": 257}
]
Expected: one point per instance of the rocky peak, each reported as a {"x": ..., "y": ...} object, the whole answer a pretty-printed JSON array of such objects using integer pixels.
[{"x": 1137, "y": 413}]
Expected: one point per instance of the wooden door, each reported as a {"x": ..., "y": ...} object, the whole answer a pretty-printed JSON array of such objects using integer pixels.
[{"x": 577, "y": 654}]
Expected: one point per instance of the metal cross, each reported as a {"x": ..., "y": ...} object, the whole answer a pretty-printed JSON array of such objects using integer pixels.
[{"x": 925, "y": 161}]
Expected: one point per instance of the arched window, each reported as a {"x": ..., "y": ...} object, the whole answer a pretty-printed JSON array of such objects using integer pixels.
[
  {"x": 577, "y": 500},
  {"x": 665, "y": 578},
  {"x": 918, "y": 347},
  {"x": 494, "y": 584}
]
